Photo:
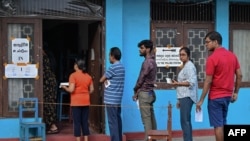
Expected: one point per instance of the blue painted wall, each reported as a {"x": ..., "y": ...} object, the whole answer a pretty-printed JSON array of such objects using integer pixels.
[
  {"x": 221, "y": 21},
  {"x": 136, "y": 28},
  {"x": 9, "y": 127}
]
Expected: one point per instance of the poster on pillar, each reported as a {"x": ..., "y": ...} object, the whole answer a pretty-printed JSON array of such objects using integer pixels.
[
  {"x": 20, "y": 51},
  {"x": 20, "y": 66},
  {"x": 19, "y": 71},
  {"x": 168, "y": 57}
]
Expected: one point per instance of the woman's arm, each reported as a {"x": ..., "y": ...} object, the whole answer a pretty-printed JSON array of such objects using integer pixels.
[
  {"x": 91, "y": 88},
  {"x": 69, "y": 88}
]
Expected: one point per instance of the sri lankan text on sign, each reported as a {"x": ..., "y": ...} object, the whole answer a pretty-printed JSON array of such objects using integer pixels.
[
  {"x": 168, "y": 57},
  {"x": 20, "y": 50},
  {"x": 20, "y": 67}
]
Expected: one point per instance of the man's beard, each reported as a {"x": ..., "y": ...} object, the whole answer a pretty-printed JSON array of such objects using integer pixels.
[{"x": 141, "y": 54}]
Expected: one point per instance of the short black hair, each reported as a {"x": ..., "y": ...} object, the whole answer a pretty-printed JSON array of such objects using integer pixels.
[
  {"x": 187, "y": 50},
  {"x": 146, "y": 43},
  {"x": 213, "y": 35},
  {"x": 116, "y": 52}
]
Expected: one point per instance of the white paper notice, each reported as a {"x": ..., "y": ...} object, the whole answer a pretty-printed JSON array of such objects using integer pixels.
[
  {"x": 107, "y": 83},
  {"x": 198, "y": 116}
]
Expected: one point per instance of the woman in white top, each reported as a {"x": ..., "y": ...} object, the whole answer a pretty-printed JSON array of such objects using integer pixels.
[{"x": 186, "y": 87}]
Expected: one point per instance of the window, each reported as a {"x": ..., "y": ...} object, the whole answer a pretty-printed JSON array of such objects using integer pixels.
[
  {"x": 177, "y": 35},
  {"x": 239, "y": 37},
  {"x": 182, "y": 24},
  {"x": 239, "y": 44}
]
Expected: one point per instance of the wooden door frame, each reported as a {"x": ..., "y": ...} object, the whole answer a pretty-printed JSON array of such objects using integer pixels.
[
  {"x": 96, "y": 69},
  {"x": 37, "y": 59},
  {"x": 182, "y": 28},
  {"x": 169, "y": 25},
  {"x": 2, "y": 68}
]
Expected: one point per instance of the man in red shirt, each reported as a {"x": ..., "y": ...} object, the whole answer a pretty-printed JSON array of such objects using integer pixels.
[{"x": 221, "y": 68}]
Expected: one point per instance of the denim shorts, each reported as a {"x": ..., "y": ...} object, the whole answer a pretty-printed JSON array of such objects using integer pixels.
[{"x": 217, "y": 111}]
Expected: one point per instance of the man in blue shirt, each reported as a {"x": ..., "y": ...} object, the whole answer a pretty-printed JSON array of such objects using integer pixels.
[{"x": 113, "y": 80}]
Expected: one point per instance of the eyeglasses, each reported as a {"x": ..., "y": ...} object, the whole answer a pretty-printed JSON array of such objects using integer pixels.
[
  {"x": 207, "y": 42},
  {"x": 182, "y": 54}
]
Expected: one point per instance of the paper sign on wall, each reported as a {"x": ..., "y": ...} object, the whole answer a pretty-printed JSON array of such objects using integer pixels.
[
  {"x": 20, "y": 67},
  {"x": 27, "y": 71},
  {"x": 168, "y": 57},
  {"x": 20, "y": 50}
]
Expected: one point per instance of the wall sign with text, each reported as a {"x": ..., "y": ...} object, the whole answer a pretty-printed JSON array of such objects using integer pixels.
[
  {"x": 15, "y": 71},
  {"x": 20, "y": 50},
  {"x": 20, "y": 67},
  {"x": 168, "y": 56}
]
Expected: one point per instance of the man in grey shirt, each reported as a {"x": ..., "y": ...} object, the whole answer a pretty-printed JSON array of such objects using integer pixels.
[{"x": 144, "y": 88}]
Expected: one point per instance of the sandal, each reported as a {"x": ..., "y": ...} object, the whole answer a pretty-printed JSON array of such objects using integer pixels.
[{"x": 53, "y": 131}]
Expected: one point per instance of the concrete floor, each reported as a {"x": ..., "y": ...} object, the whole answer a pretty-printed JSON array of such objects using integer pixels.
[{"x": 202, "y": 138}]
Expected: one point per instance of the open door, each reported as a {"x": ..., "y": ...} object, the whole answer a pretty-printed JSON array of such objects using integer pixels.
[{"x": 95, "y": 69}]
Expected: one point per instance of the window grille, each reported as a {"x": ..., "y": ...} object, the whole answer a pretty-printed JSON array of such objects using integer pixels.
[
  {"x": 239, "y": 12},
  {"x": 162, "y": 10}
]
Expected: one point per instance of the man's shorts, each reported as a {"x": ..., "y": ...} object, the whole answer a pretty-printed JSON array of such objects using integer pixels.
[{"x": 217, "y": 111}]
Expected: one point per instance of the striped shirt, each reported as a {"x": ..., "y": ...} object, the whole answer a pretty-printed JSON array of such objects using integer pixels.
[{"x": 114, "y": 92}]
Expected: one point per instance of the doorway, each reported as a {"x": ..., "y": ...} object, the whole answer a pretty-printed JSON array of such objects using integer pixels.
[{"x": 70, "y": 39}]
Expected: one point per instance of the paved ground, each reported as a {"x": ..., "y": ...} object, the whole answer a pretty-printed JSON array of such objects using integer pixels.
[{"x": 204, "y": 138}]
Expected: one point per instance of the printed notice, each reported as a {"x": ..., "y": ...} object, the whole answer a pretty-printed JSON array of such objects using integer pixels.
[
  {"x": 20, "y": 50},
  {"x": 168, "y": 57},
  {"x": 15, "y": 71}
]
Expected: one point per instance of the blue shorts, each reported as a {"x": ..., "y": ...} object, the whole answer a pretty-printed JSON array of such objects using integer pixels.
[{"x": 217, "y": 111}]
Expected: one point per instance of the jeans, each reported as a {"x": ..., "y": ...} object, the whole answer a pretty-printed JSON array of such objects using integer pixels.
[
  {"x": 115, "y": 121},
  {"x": 146, "y": 100},
  {"x": 80, "y": 120},
  {"x": 185, "y": 113}
]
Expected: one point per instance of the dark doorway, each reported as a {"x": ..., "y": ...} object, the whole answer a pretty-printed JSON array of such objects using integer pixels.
[
  {"x": 70, "y": 39},
  {"x": 60, "y": 39}
]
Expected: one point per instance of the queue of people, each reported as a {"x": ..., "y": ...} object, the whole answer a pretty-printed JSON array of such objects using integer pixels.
[{"x": 222, "y": 69}]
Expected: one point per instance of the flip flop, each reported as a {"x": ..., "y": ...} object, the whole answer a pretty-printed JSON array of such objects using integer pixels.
[{"x": 53, "y": 131}]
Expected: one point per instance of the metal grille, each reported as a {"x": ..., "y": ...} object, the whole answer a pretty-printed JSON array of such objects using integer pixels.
[
  {"x": 239, "y": 12},
  {"x": 198, "y": 50},
  {"x": 188, "y": 11},
  {"x": 165, "y": 36},
  {"x": 195, "y": 36}
]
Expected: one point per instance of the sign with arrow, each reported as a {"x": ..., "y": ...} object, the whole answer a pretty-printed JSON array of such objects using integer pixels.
[{"x": 168, "y": 56}]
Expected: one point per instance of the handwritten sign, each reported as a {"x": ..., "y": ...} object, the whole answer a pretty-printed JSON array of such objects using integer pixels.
[
  {"x": 20, "y": 50},
  {"x": 168, "y": 57},
  {"x": 15, "y": 71}
]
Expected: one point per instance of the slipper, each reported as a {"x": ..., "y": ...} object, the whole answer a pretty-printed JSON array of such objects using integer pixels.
[{"x": 53, "y": 131}]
